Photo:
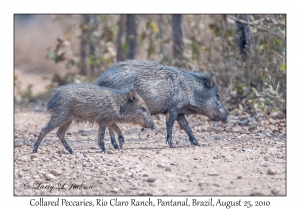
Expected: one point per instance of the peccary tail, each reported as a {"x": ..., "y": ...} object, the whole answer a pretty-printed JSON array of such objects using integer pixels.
[{"x": 56, "y": 101}]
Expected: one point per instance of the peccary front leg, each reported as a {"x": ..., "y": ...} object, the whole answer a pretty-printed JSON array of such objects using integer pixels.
[
  {"x": 101, "y": 134},
  {"x": 53, "y": 123},
  {"x": 171, "y": 117},
  {"x": 184, "y": 124},
  {"x": 61, "y": 135},
  {"x": 115, "y": 128}
]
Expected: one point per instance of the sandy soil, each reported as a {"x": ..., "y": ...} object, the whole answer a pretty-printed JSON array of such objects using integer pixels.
[{"x": 232, "y": 159}]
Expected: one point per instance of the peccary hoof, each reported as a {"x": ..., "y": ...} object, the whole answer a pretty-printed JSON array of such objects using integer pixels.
[
  {"x": 116, "y": 146},
  {"x": 35, "y": 149},
  {"x": 121, "y": 141},
  {"x": 170, "y": 142},
  {"x": 71, "y": 151},
  {"x": 195, "y": 143},
  {"x": 102, "y": 146}
]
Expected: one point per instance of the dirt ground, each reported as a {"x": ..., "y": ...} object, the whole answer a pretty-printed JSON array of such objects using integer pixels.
[{"x": 232, "y": 159}]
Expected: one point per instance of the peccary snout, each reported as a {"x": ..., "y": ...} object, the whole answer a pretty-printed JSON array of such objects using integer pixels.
[
  {"x": 100, "y": 105},
  {"x": 142, "y": 116}
]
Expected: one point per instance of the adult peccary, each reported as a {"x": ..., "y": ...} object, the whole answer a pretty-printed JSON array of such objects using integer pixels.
[
  {"x": 94, "y": 104},
  {"x": 169, "y": 90}
]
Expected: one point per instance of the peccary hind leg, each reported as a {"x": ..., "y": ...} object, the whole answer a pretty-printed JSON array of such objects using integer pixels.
[
  {"x": 53, "y": 123},
  {"x": 101, "y": 133},
  {"x": 171, "y": 117},
  {"x": 113, "y": 139},
  {"x": 61, "y": 135},
  {"x": 115, "y": 128},
  {"x": 184, "y": 124}
]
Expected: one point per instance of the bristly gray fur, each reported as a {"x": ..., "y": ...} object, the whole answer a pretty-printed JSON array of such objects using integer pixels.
[
  {"x": 94, "y": 104},
  {"x": 168, "y": 89}
]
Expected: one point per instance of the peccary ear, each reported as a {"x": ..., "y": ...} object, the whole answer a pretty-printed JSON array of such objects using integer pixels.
[
  {"x": 210, "y": 81},
  {"x": 132, "y": 95}
]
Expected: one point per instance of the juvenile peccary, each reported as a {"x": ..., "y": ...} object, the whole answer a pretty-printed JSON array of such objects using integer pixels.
[
  {"x": 94, "y": 104},
  {"x": 169, "y": 90}
]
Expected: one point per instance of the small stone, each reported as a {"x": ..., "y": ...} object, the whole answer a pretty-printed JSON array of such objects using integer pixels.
[
  {"x": 273, "y": 128},
  {"x": 56, "y": 172},
  {"x": 280, "y": 115},
  {"x": 151, "y": 180},
  {"x": 213, "y": 174},
  {"x": 252, "y": 128},
  {"x": 267, "y": 131},
  {"x": 239, "y": 177},
  {"x": 36, "y": 176},
  {"x": 236, "y": 129},
  {"x": 33, "y": 156},
  {"x": 273, "y": 115},
  {"x": 244, "y": 122},
  {"x": 39, "y": 109},
  {"x": 271, "y": 171},
  {"x": 246, "y": 150},
  {"x": 49, "y": 177},
  {"x": 20, "y": 174},
  {"x": 109, "y": 152},
  {"x": 160, "y": 165},
  {"x": 262, "y": 135},
  {"x": 18, "y": 144},
  {"x": 84, "y": 134},
  {"x": 228, "y": 129},
  {"x": 195, "y": 158},
  {"x": 219, "y": 129},
  {"x": 256, "y": 193},
  {"x": 167, "y": 168},
  {"x": 69, "y": 133},
  {"x": 275, "y": 191},
  {"x": 145, "y": 175},
  {"x": 242, "y": 131},
  {"x": 216, "y": 157},
  {"x": 115, "y": 190}
]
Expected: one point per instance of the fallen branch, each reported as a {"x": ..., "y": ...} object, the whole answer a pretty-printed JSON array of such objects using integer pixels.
[{"x": 255, "y": 24}]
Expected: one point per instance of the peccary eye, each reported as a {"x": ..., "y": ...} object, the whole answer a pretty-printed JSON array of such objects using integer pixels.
[
  {"x": 218, "y": 97},
  {"x": 143, "y": 109}
]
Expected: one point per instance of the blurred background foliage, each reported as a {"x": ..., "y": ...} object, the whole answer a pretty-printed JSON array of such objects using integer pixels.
[{"x": 247, "y": 52}]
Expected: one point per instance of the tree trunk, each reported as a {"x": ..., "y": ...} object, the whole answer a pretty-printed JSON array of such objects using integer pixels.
[
  {"x": 93, "y": 25},
  {"x": 89, "y": 23},
  {"x": 177, "y": 38},
  {"x": 84, "y": 46},
  {"x": 120, "y": 51},
  {"x": 245, "y": 36},
  {"x": 131, "y": 35}
]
